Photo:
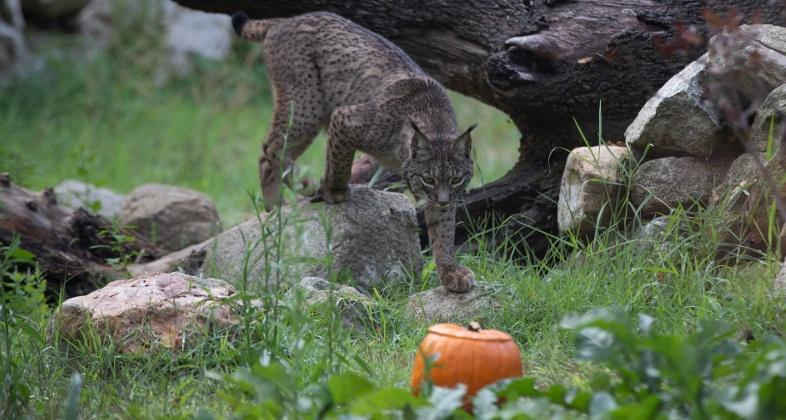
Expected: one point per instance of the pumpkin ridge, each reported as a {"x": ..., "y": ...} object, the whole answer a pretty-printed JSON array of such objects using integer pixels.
[{"x": 457, "y": 331}]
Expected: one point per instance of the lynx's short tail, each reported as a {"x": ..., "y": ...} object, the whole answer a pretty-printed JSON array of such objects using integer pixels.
[{"x": 252, "y": 30}]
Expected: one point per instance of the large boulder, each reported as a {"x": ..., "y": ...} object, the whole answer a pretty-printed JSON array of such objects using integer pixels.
[
  {"x": 103, "y": 201},
  {"x": 372, "y": 237},
  {"x": 171, "y": 217},
  {"x": 747, "y": 201},
  {"x": 13, "y": 45},
  {"x": 188, "y": 33},
  {"x": 663, "y": 184},
  {"x": 770, "y": 120},
  {"x": 590, "y": 184},
  {"x": 161, "y": 310},
  {"x": 196, "y": 33},
  {"x": 353, "y": 306},
  {"x": 677, "y": 120},
  {"x": 751, "y": 60},
  {"x": 441, "y": 305},
  {"x": 95, "y": 21},
  {"x": 746, "y": 194}
]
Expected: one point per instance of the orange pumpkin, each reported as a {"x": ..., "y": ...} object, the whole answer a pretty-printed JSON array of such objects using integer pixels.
[{"x": 471, "y": 356}]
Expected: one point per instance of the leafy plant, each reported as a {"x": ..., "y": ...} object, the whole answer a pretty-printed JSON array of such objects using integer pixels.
[
  {"x": 707, "y": 374},
  {"x": 22, "y": 305},
  {"x": 648, "y": 375}
]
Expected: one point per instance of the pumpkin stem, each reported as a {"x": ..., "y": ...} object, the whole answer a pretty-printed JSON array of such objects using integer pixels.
[{"x": 474, "y": 326}]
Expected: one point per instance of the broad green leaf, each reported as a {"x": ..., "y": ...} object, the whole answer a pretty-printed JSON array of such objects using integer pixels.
[
  {"x": 645, "y": 410},
  {"x": 578, "y": 400},
  {"x": 382, "y": 400},
  {"x": 18, "y": 254},
  {"x": 346, "y": 387},
  {"x": 519, "y": 387}
]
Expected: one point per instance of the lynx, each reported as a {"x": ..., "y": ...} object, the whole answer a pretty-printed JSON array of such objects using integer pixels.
[{"x": 327, "y": 71}]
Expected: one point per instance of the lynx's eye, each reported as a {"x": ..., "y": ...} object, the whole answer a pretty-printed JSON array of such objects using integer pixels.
[
  {"x": 428, "y": 181},
  {"x": 456, "y": 181}
]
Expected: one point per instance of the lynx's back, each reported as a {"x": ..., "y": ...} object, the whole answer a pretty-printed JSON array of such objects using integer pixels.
[{"x": 351, "y": 63}]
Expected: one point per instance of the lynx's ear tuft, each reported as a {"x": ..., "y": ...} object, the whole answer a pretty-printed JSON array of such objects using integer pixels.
[
  {"x": 419, "y": 141},
  {"x": 463, "y": 143}
]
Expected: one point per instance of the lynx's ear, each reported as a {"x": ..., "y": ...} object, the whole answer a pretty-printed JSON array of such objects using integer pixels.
[
  {"x": 463, "y": 143},
  {"x": 419, "y": 141}
]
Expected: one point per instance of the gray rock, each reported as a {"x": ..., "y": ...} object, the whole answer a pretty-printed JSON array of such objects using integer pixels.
[
  {"x": 373, "y": 237},
  {"x": 14, "y": 51},
  {"x": 590, "y": 184},
  {"x": 353, "y": 306},
  {"x": 660, "y": 185},
  {"x": 441, "y": 305},
  {"x": 652, "y": 230},
  {"x": 74, "y": 194},
  {"x": 171, "y": 217},
  {"x": 95, "y": 21},
  {"x": 649, "y": 236},
  {"x": 742, "y": 174},
  {"x": 677, "y": 121},
  {"x": 162, "y": 310},
  {"x": 745, "y": 201},
  {"x": 770, "y": 114},
  {"x": 195, "y": 33},
  {"x": 754, "y": 58},
  {"x": 187, "y": 260},
  {"x": 188, "y": 33}
]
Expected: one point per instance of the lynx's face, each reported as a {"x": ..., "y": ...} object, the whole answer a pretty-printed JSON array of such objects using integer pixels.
[{"x": 439, "y": 169}]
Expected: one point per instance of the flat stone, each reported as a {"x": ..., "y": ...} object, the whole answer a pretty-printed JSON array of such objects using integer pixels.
[
  {"x": 441, "y": 305},
  {"x": 148, "y": 312}
]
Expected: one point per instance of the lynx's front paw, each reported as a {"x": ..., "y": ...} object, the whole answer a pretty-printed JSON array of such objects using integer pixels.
[{"x": 458, "y": 279}]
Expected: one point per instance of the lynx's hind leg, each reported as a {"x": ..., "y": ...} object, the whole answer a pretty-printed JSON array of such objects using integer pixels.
[
  {"x": 299, "y": 113},
  {"x": 349, "y": 125}
]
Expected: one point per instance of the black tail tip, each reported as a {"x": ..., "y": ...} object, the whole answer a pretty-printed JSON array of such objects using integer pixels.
[{"x": 238, "y": 20}]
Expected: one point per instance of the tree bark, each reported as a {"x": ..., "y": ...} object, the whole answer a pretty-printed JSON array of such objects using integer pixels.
[
  {"x": 74, "y": 248},
  {"x": 546, "y": 63}
]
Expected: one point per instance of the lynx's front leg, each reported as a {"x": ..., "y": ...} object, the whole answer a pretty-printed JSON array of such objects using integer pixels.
[{"x": 441, "y": 223}]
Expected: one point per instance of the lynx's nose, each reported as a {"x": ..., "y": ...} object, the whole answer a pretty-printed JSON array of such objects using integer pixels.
[{"x": 443, "y": 197}]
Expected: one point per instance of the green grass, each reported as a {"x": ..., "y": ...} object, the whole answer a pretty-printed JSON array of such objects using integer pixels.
[{"x": 117, "y": 121}]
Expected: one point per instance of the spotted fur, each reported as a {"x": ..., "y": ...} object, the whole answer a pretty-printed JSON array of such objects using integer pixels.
[{"x": 329, "y": 72}]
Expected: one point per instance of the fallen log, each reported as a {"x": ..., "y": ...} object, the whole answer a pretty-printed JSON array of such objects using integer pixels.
[
  {"x": 546, "y": 63},
  {"x": 77, "y": 251}
]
